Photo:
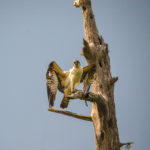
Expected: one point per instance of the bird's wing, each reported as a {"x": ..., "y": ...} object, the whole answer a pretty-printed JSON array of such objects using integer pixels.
[
  {"x": 87, "y": 77},
  {"x": 53, "y": 66},
  {"x": 52, "y": 86},
  {"x": 54, "y": 78},
  {"x": 86, "y": 70}
]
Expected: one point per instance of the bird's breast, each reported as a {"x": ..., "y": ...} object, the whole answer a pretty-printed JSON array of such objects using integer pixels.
[
  {"x": 74, "y": 77},
  {"x": 76, "y": 74}
]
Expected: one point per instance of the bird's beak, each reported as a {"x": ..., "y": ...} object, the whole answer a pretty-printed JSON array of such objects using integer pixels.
[{"x": 76, "y": 63}]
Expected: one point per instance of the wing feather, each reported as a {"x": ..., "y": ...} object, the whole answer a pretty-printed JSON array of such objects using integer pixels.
[
  {"x": 53, "y": 66},
  {"x": 54, "y": 77},
  {"x": 86, "y": 70},
  {"x": 87, "y": 78},
  {"x": 52, "y": 86}
]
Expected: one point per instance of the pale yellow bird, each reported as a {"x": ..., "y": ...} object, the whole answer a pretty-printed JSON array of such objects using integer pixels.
[{"x": 65, "y": 81}]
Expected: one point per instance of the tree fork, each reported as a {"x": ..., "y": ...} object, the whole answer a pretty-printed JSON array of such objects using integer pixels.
[{"x": 95, "y": 51}]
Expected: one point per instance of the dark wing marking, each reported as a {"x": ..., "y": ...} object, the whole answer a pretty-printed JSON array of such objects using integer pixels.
[
  {"x": 87, "y": 70},
  {"x": 60, "y": 74},
  {"x": 52, "y": 86},
  {"x": 87, "y": 78},
  {"x": 54, "y": 77}
]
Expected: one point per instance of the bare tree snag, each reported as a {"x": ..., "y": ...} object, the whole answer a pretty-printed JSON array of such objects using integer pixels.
[
  {"x": 95, "y": 51},
  {"x": 103, "y": 114}
]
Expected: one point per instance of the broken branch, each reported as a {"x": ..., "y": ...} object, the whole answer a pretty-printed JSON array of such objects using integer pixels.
[
  {"x": 71, "y": 114},
  {"x": 128, "y": 144},
  {"x": 113, "y": 80}
]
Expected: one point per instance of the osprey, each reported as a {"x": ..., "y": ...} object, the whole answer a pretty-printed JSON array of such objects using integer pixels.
[{"x": 65, "y": 81}]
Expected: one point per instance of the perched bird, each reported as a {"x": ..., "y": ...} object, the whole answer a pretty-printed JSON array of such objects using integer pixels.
[{"x": 65, "y": 81}]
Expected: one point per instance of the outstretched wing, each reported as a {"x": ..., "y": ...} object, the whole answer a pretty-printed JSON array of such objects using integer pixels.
[
  {"x": 87, "y": 78},
  {"x": 90, "y": 69},
  {"x": 52, "y": 86},
  {"x": 54, "y": 78},
  {"x": 53, "y": 66}
]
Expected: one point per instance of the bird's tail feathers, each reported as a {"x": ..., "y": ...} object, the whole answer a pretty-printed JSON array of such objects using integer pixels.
[{"x": 64, "y": 102}]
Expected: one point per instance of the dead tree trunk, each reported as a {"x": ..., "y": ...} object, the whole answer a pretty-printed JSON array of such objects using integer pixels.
[
  {"x": 103, "y": 113},
  {"x": 95, "y": 51}
]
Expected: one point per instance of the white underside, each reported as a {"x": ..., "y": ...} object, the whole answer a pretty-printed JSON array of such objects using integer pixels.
[{"x": 74, "y": 78}]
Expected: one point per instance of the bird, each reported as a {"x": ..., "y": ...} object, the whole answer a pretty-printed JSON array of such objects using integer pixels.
[{"x": 65, "y": 81}]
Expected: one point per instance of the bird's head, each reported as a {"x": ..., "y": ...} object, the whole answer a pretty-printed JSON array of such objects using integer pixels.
[{"x": 76, "y": 63}]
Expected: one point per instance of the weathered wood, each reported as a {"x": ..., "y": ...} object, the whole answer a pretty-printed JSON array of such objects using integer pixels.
[
  {"x": 71, "y": 114},
  {"x": 91, "y": 97},
  {"x": 127, "y": 145},
  {"x": 95, "y": 51}
]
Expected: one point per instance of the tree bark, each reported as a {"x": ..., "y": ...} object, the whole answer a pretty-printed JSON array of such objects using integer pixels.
[{"x": 95, "y": 51}]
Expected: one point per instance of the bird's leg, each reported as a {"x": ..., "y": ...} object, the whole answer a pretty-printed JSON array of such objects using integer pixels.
[{"x": 72, "y": 87}]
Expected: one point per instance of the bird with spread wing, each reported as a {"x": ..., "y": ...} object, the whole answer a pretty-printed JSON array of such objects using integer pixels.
[{"x": 65, "y": 81}]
